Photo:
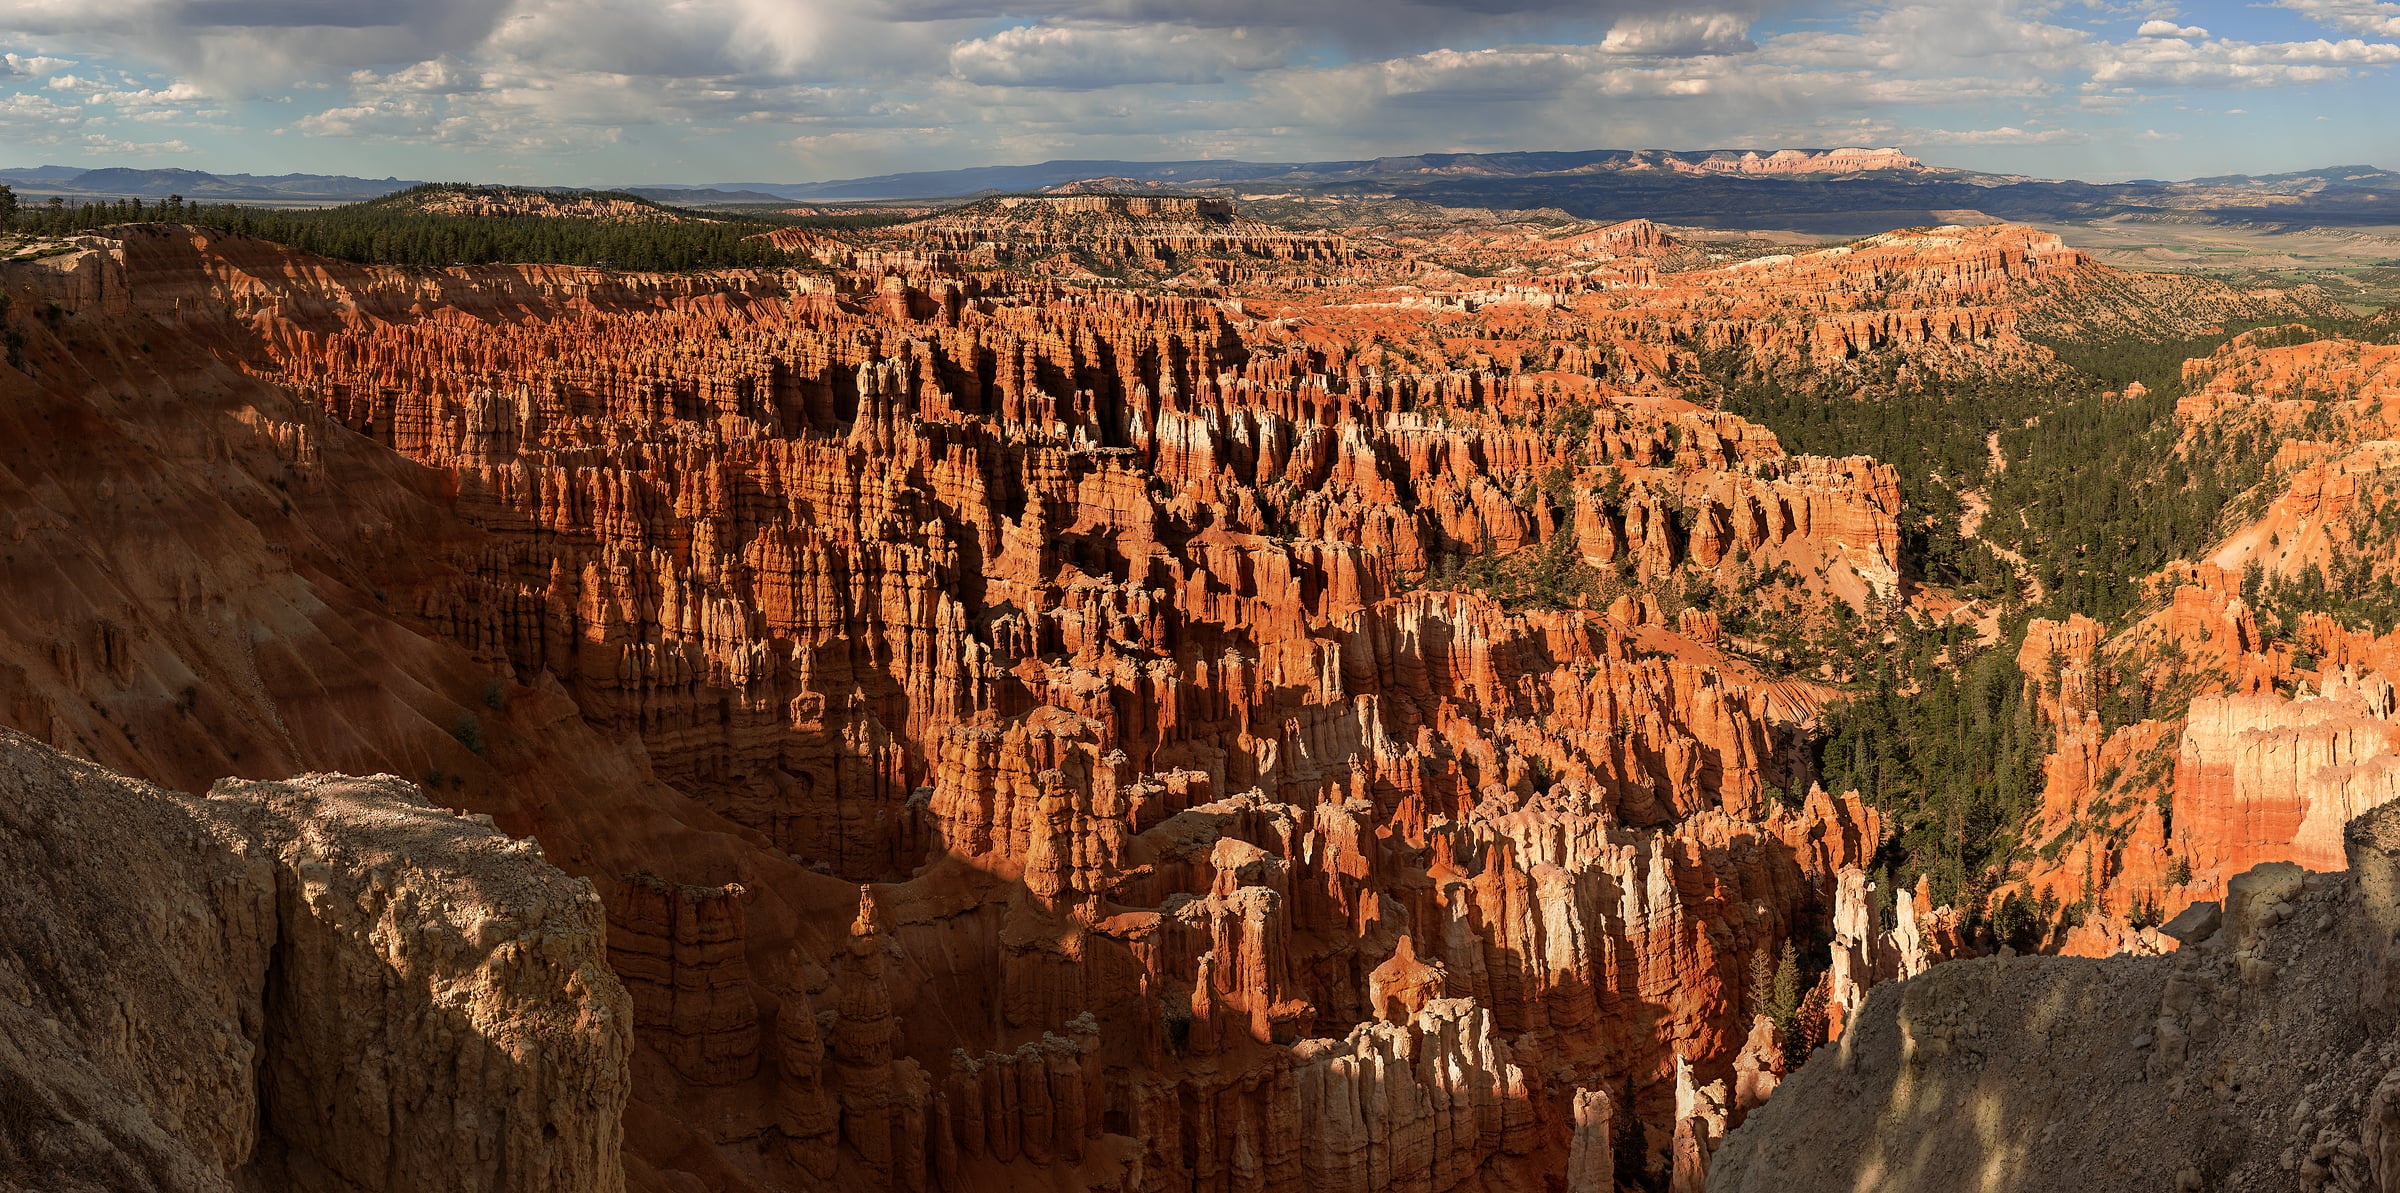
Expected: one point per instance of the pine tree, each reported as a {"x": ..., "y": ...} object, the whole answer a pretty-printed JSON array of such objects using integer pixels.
[
  {"x": 1784, "y": 1007},
  {"x": 1632, "y": 1143}
]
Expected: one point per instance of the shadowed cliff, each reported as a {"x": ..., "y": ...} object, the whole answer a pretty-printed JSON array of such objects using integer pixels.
[{"x": 2258, "y": 1056}]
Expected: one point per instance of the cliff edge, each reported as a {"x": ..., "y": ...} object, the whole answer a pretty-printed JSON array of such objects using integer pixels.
[
  {"x": 320, "y": 984},
  {"x": 2260, "y": 1055}
]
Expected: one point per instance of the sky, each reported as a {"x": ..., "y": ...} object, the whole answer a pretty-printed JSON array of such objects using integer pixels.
[{"x": 595, "y": 92}]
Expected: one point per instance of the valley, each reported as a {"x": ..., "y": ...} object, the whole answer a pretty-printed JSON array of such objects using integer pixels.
[{"x": 1118, "y": 692}]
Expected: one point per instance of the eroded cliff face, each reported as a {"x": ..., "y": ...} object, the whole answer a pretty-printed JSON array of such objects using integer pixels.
[
  {"x": 321, "y": 984},
  {"x": 2258, "y": 1057}
]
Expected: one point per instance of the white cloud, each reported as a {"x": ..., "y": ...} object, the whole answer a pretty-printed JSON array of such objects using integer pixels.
[
  {"x": 103, "y": 144},
  {"x": 2372, "y": 18},
  {"x": 149, "y": 97},
  {"x": 31, "y": 66},
  {"x": 1079, "y": 57},
  {"x": 2004, "y": 135},
  {"x": 1682, "y": 35},
  {"x": 2157, "y": 28},
  {"x": 438, "y": 76},
  {"x": 36, "y": 118},
  {"x": 2157, "y": 62}
]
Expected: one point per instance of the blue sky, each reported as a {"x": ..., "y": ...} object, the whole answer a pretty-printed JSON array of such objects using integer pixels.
[{"x": 635, "y": 91}]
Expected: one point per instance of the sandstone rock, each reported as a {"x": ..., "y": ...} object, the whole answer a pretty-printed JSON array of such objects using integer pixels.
[
  {"x": 1864, "y": 953},
  {"x": 1401, "y": 987},
  {"x": 1591, "y": 1159},
  {"x": 186, "y": 979},
  {"x": 1700, "y": 1122},
  {"x": 1758, "y": 1070},
  {"x": 1437, "y": 1095},
  {"x": 1111, "y": 634}
]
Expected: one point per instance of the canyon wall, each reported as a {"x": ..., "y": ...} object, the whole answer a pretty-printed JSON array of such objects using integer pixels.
[{"x": 1205, "y": 738}]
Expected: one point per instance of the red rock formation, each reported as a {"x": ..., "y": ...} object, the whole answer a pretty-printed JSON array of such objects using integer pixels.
[
  {"x": 1865, "y": 953},
  {"x": 1759, "y": 1069},
  {"x": 2270, "y": 750},
  {"x": 1215, "y": 833}
]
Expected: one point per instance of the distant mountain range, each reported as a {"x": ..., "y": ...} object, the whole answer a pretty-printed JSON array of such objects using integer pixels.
[
  {"x": 1671, "y": 163},
  {"x": 1836, "y": 191},
  {"x": 78, "y": 183},
  {"x": 1849, "y": 192},
  {"x": 117, "y": 183}
]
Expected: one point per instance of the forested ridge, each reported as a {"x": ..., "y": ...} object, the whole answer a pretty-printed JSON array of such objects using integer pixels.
[{"x": 397, "y": 230}]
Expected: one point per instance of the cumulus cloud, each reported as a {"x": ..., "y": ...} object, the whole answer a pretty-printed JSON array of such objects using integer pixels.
[
  {"x": 23, "y": 114},
  {"x": 1081, "y": 57},
  {"x": 31, "y": 66},
  {"x": 2004, "y": 135},
  {"x": 438, "y": 76},
  {"x": 2371, "y": 18},
  {"x": 862, "y": 86},
  {"x": 1682, "y": 35},
  {"x": 148, "y": 97},
  {"x": 103, "y": 144},
  {"x": 2156, "y": 62}
]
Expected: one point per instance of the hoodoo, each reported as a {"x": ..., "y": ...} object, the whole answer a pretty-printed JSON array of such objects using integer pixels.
[{"x": 1130, "y": 688}]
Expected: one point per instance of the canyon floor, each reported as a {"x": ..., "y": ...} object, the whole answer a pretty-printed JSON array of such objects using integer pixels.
[{"x": 1091, "y": 692}]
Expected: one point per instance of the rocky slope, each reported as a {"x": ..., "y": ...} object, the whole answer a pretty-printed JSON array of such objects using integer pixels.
[
  {"x": 185, "y": 980},
  {"x": 2258, "y": 1057}
]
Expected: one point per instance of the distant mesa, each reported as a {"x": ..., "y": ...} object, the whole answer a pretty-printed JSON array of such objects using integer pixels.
[
  {"x": 76, "y": 182},
  {"x": 1123, "y": 175},
  {"x": 1850, "y": 160}
]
